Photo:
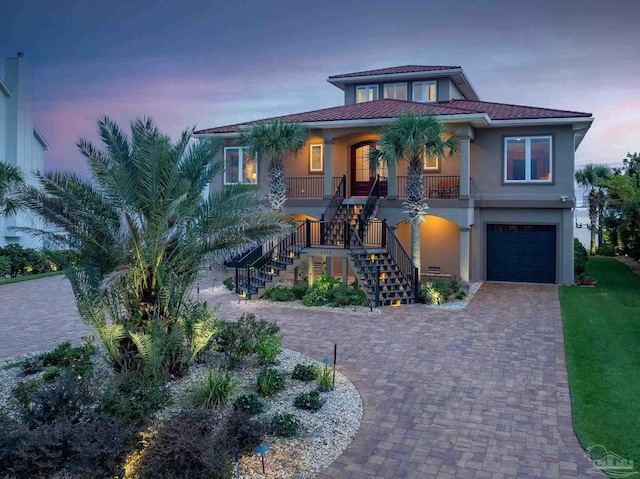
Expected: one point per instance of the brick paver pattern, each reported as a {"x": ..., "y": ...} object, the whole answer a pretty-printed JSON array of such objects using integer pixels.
[{"x": 474, "y": 393}]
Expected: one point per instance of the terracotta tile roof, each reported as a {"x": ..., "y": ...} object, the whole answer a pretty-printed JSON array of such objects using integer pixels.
[
  {"x": 392, "y": 70},
  {"x": 392, "y": 108}
]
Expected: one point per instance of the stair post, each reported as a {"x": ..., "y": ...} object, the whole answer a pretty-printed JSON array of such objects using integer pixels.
[
  {"x": 383, "y": 236},
  {"x": 308, "y": 224},
  {"x": 347, "y": 234},
  {"x": 248, "y": 281},
  {"x": 377, "y": 286},
  {"x": 416, "y": 284},
  {"x": 237, "y": 278},
  {"x": 322, "y": 229},
  {"x": 344, "y": 186}
]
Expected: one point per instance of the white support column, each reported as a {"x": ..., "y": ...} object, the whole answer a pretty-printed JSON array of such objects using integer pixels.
[
  {"x": 328, "y": 168},
  {"x": 392, "y": 184},
  {"x": 345, "y": 270},
  {"x": 464, "y": 254},
  {"x": 465, "y": 166}
]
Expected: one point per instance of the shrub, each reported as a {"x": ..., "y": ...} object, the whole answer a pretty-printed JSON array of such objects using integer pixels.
[
  {"x": 279, "y": 293},
  {"x": 606, "y": 250},
  {"x": 241, "y": 432},
  {"x": 24, "y": 391},
  {"x": 249, "y": 404},
  {"x": 440, "y": 291},
  {"x": 50, "y": 373},
  {"x": 347, "y": 295},
  {"x": 580, "y": 259},
  {"x": 230, "y": 283},
  {"x": 268, "y": 349},
  {"x": 270, "y": 381},
  {"x": 5, "y": 266},
  {"x": 77, "y": 358},
  {"x": 285, "y": 425},
  {"x": 214, "y": 390},
  {"x": 239, "y": 338},
  {"x": 134, "y": 397},
  {"x": 308, "y": 401},
  {"x": 93, "y": 448},
  {"x": 305, "y": 372},
  {"x": 184, "y": 446},
  {"x": 300, "y": 288},
  {"x": 325, "y": 379},
  {"x": 32, "y": 365}
]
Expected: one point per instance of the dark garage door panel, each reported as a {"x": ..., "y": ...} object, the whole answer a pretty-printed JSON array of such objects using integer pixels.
[{"x": 523, "y": 253}]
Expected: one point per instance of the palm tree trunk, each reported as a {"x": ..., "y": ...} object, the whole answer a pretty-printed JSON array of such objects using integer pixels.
[
  {"x": 593, "y": 219},
  {"x": 415, "y": 243},
  {"x": 416, "y": 206},
  {"x": 277, "y": 186}
]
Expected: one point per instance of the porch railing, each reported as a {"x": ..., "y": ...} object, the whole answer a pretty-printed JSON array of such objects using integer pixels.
[
  {"x": 435, "y": 186},
  {"x": 369, "y": 206},
  {"x": 305, "y": 187},
  {"x": 340, "y": 192}
]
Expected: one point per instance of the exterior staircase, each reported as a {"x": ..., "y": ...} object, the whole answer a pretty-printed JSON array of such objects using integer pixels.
[{"x": 382, "y": 266}]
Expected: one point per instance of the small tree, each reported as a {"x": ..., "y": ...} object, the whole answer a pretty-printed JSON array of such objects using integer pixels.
[
  {"x": 274, "y": 139},
  {"x": 592, "y": 177},
  {"x": 410, "y": 138},
  {"x": 142, "y": 229}
]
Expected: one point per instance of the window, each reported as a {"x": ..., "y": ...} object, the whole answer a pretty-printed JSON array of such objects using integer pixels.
[
  {"x": 395, "y": 91},
  {"x": 239, "y": 166},
  {"x": 527, "y": 159},
  {"x": 315, "y": 159},
  {"x": 430, "y": 162},
  {"x": 424, "y": 91},
  {"x": 366, "y": 93}
]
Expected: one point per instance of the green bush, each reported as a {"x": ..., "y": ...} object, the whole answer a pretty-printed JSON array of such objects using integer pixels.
[
  {"x": 308, "y": 401},
  {"x": 305, "y": 372},
  {"x": 239, "y": 338},
  {"x": 300, "y": 288},
  {"x": 606, "y": 250},
  {"x": 32, "y": 365},
  {"x": 230, "y": 283},
  {"x": 441, "y": 290},
  {"x": 330, "y": 291},
  {"x": 50, "y": 373},
  {"x": 285, "y": 425},
  {"x": 249, "y": 403},
  {"x": 241, "y": 432},
  {"x": 214, "y": 390},
  {"x": 24, "y": 391},
  {"x": 268, "y": 349},
  {"x": 5, "y": 266},
  {"x": 134, "y": 397},
  {"x": 580, "y": 259},
  {"x": 270, "y": 381},
  {"x": 279, "y": 293}
]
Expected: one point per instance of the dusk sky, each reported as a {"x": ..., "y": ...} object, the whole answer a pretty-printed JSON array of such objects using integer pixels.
[{"x": 211, "y": 63}]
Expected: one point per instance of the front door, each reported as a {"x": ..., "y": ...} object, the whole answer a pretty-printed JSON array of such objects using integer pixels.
[{"x": 361, "y": 179}]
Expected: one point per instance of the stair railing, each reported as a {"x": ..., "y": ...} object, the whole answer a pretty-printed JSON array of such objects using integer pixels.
[
  {"x": 369, "y": 207},
  {"x": 392, "y": 244},
  {"x": 367, "y": 266},
  {"x": 336, "y": 200},
  {"x": 250, "y": 275}
]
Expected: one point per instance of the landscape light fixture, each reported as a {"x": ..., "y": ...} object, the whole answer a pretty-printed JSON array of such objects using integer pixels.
[{"x": 261, "y": 449}]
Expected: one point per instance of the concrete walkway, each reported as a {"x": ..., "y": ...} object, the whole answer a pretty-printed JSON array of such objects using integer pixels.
[{"x": 476, "y": 393}]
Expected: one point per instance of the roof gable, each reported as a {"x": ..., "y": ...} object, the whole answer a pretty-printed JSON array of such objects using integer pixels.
[{"x": 395, "y": 70}]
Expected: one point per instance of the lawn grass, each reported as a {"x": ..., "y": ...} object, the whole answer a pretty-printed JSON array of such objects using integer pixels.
[
  {"x": 29, "y": 277},
  {"x": 602, "y": 342}
]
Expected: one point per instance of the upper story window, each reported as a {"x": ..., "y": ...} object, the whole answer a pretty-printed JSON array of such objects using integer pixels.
[
  {"x": 424, "y": 91},
  {"x": 316, "y": 163},
  {"x": 527, "y": 159},
  {"x": 366, "y": 93},
  {"x": 395, "y": 91},
  {"x": 239, "y": 166}
]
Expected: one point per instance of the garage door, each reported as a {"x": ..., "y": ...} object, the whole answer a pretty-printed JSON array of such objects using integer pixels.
[{"x": 525, "y": 253}]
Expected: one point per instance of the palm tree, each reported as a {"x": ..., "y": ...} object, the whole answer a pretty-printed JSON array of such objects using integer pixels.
[
  {"x": 591, "y": 176},
  {"x": 11, "y": 178},
  {"x": 142, "y": 228},
  {"x": 274, "y": 139},
  {"x": 410, "y": 138}
]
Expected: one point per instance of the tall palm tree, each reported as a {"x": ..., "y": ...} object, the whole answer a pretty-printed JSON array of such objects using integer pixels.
[
  {"x": 142, "y": 228},
  {"x": 592, "y": 176},
  {"x": 410, "y": 138},
  {"x": 11, "y": 178},
  {"x": 274, "y": 139}
]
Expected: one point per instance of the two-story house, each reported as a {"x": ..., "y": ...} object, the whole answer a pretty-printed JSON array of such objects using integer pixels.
[{"x": 500, "y": 210}]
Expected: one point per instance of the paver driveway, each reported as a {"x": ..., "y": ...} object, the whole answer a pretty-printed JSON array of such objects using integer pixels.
[{"x": 475, "y": 393}]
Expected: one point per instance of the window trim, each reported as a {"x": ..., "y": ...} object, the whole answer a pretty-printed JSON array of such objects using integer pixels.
[
  {"x": 424, "y": 83},
  {"x": 311, "y": 169},
  {"x": 395, "y": 89},
  {"x": 431, "y": 169},
  {"x": 527, "y": 160},
  {"x": 242, "y": 150},
  {"x": 366, "y": 88}
]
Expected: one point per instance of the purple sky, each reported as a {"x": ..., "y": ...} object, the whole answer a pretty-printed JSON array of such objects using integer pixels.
[{"x": 210, "y": 63}]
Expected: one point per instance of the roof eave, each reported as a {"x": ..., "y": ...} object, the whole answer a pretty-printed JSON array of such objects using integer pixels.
[
  {"x": 40, "y": 137},
  {"x": 543, "y": 121},
  {"x": 4, "y": 88}
]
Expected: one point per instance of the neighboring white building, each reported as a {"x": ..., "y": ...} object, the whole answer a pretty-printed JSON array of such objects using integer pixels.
[{"x": 21, "y": 143}]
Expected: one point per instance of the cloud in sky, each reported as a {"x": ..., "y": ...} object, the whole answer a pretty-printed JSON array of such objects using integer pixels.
[{"x": 210, "y": 63}]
